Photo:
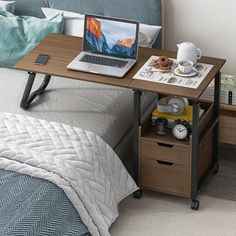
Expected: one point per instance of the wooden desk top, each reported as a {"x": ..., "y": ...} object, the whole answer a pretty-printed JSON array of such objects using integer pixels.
[
  {"x": 177, "y": 90},
  {"x": 63, "y": 49}
]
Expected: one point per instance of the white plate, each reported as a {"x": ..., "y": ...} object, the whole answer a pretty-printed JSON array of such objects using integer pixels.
[{"x": 179, "y": 73}]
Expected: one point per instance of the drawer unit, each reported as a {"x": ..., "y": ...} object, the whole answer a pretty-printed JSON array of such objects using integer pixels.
[
  {"x": 166, "y": 152},
  {"x": 165, "y": 176},
  {"x": 165, "y": 163}
]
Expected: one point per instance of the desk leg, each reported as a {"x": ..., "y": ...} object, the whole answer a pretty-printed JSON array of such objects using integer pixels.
[
  {"x": 198, "y": 138},
  {"x": 195, "y": 144},
  {"x": 27, "y": 97},
  {"x": 216, "y": 128},
  {"x": 136, "y": 124}
]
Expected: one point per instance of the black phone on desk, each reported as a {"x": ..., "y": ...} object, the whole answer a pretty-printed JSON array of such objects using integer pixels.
[{"x": 41, "y": 59}]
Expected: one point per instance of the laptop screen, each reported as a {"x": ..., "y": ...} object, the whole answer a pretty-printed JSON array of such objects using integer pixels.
[{"x": 111, "y": 36}]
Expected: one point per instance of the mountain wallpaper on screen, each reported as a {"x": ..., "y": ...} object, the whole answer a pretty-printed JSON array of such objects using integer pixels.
[{"x": 96, "y": 41}]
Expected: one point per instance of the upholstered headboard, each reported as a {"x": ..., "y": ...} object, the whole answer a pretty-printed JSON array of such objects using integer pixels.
[{"x": 145, "y": 11}]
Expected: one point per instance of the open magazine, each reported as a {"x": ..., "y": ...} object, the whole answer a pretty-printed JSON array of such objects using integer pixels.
[{"x": 149, "y": 72}]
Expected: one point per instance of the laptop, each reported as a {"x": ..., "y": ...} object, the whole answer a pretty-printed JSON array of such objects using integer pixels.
[{"x": 110, "y": 46}]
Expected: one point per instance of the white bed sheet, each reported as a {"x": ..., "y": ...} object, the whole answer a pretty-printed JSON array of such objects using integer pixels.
[{"x": 102, "y": 109}]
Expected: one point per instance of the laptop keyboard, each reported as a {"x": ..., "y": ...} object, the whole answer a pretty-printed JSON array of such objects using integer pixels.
[{"x": 103, "y": 61}]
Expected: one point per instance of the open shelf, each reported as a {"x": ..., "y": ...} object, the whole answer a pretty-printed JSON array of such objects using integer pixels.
[
  {"x": 149, "y": 134},
  {"x": 147, "y": 131}
]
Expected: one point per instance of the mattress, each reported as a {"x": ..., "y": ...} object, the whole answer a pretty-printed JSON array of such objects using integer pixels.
[{"x": 105, "y": 110}]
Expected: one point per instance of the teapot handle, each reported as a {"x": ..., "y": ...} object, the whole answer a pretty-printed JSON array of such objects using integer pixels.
[{"x": 199, "y": 54}]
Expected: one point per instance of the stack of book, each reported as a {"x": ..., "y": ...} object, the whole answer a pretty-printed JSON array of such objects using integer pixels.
[
  {"x": 227, "y": 93},
  {"x": 186, "y": 115}
]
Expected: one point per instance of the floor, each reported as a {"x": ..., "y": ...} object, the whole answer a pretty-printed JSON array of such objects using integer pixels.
[
  {"x": 158, "y": 214},
  {"x": 162, "y": 215},
  {"x": 223, "y": 184}
]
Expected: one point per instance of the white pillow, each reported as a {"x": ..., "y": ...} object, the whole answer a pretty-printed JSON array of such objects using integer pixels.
[
  {"x": 73, "y": 22},
  {"x": 74, "y": 25},
  {"x": 148, "y": 34},
  {"x": 7, "y": 6}
]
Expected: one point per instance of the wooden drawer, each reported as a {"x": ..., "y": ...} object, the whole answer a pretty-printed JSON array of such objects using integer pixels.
[
  {"x": 227, "y": 132},
  {"x": 166, "y": 152},
  {"x": 165, "y": 177}
]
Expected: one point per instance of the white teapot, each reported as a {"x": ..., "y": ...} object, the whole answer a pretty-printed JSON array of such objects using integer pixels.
[{"x": 187, "y": 51}]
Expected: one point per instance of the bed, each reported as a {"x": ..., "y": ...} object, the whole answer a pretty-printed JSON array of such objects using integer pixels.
[{"x": 103, "y": 110}]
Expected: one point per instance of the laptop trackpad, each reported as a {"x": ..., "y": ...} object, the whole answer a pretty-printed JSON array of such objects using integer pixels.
[{"x": 100, "y": 69}]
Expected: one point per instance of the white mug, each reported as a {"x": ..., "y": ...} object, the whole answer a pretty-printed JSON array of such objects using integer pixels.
[{"x": 185, "y": 66}]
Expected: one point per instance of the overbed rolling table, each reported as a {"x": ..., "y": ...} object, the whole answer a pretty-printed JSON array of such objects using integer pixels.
[{"x": 63, "y": 49}]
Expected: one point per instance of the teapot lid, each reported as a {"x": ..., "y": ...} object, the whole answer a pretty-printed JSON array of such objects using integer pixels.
[{"x": 187, "y": 45}]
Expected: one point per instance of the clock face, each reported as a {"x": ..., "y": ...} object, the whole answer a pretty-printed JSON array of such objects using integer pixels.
[{"x": 180, "y": 131}]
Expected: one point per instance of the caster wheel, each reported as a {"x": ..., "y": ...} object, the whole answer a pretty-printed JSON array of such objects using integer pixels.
[
  {"x": 216, "y": 168},
  {"x": 195, "y": 205},
  {"x": 138, "y": 194}
]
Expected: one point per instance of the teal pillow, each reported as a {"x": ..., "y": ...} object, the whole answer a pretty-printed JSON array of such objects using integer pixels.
[{"x": 20, "y": 34}]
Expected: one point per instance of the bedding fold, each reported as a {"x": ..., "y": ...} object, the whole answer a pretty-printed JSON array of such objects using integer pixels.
[{"x": 78, "y": 161}]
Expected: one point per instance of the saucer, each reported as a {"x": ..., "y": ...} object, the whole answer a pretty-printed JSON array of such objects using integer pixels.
[{"x": 190, "y": 74}]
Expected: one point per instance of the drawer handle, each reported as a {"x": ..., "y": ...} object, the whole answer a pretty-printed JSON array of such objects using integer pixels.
[
  {"x": 165, "y": 163},
  {"x": 165, "y": 145}
]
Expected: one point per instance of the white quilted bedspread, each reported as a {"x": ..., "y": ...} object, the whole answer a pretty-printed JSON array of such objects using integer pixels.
[{"x": 78, "y": 161}]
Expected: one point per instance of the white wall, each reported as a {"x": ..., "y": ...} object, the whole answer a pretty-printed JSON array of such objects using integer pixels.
[{"x": 210, "y": 24}]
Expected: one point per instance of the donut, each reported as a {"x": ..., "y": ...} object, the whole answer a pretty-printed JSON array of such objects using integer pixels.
[
  {"x": 165, "y": 67},
  {"x": 163, "y": 61}
]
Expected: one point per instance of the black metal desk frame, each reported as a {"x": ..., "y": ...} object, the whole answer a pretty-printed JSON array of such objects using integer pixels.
[
  {"x": 197, "y": 139},
  {"x": 28, "y": 97}
]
